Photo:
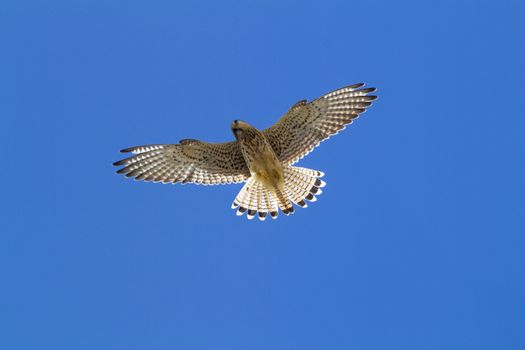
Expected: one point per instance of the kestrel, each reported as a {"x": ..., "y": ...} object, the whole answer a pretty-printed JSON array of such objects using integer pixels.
[{"x": 263, "y": 159}]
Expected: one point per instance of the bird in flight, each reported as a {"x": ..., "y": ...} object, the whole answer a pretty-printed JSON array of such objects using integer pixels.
[{"x": 264, "y": 160}]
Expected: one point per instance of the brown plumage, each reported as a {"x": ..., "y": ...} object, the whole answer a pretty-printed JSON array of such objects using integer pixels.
[{"x": 262, "y": 159}]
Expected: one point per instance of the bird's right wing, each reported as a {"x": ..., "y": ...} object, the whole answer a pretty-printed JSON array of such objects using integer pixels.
[
  {"x": 190, "y": 161},
  {"x": 306, "y": 124}
]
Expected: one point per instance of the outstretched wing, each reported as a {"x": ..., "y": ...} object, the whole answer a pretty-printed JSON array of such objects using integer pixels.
[
  {"x": 305, "y": 125},
  {"x": 191, "y": 161}
]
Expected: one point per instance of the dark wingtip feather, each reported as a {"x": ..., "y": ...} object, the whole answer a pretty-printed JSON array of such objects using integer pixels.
[
  {"x": 133, "y": 173},
  {"x": 367, "y": 90},
  {"x": 127, "y": 150},
  {"x": 356, "y": 86},
  {"x": 122, "y": 171},
  {"x": 120, "y": 162}
]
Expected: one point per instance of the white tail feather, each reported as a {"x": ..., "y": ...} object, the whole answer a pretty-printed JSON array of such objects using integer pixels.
[{"x": 300, "y": 185}]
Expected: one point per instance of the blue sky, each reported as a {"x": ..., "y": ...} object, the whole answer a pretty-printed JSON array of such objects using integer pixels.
[{"x": 416, "y": 243}]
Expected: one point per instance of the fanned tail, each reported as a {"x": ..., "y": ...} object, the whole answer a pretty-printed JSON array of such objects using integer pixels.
[
  {"x": 300, "y": 185},
  {"x": 255, "y": 198}
]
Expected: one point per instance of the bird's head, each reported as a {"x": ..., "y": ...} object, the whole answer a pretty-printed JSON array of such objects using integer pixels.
[{"x": 241, "y": 129}]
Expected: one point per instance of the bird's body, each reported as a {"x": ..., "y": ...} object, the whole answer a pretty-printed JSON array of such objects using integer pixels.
[
  {"x": 259, "y": 156},
  {"x": 262, "y": 159}
]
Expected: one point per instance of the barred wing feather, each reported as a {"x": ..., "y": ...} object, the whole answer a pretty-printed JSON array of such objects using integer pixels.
[
  {"x": 306, "y": 125},
  {"x": 190, "y": 161}
]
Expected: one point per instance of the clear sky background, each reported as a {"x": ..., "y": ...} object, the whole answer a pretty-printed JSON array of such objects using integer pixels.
[{"x": 418, "y": 241}]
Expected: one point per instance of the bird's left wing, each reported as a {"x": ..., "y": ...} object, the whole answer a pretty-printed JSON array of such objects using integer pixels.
[
  {"x": 305, "y": 125},
  {"x": 190, "y": 161}
]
